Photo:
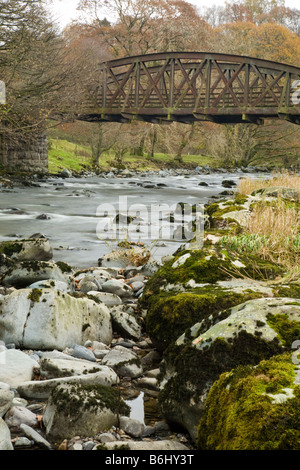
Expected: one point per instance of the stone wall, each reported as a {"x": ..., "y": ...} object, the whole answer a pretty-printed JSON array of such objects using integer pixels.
[{"x": 32, "y": 156}]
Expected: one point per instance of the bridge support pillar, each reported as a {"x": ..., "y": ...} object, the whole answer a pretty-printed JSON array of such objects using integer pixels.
[{"x": 30, "y": 156}]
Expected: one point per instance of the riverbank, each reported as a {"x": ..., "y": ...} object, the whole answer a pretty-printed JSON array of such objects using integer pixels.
[{"x": 198, "y": 328}]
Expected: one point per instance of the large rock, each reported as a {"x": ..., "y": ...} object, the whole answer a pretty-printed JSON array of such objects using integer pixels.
[
  {"x": 107, "y": 298},
  {"x": 37, "y": 249},
  {"x": 126, "y": 324},
  {"x": 253, "y": 408},
  {"x": 5, "y": 437},
  {"x": 16, "y": 367},
  {"x": 199, "y": 284},
  {"x": 18, "y": 415},
  {"x": 49, "y": 319},
  {"x": 82, "y": 410},
  {"x": 53, "y": 368},
  {"x": 24, "y": 273},
  {"x": 41, "y": 389},
  {"x": 245, "y": 334}
]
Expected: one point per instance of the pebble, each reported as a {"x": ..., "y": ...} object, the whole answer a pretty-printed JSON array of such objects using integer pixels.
[{"x": 81, "y": 352}]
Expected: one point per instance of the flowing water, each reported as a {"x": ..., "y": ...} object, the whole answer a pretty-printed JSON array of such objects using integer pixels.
[{"x": 70, "y": 208}]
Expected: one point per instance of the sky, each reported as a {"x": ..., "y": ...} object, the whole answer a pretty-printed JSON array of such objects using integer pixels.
[{"x": 64, "y": 11}]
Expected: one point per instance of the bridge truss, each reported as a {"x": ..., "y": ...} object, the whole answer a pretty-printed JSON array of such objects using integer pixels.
[{"x": 194, "y": 86}]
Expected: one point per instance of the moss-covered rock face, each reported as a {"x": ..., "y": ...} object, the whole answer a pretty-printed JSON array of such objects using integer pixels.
[
  {"x": 82, "y": 409},
  {"x": 23, "y": 273},
  {"x": 253, "y": 408},
  {"x": 247, "y": 335},
  {"x": 38, "y": 249},
  {"x": 169, "y": 315},
  {"x": 197, "y": 284}
]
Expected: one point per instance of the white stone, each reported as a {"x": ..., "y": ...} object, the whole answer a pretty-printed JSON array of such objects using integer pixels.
[
  {"x": 35, "y": 436},
  {"x": 6, "y": 399},
  {"x": 56, "y": 321},
  {"x": 180, "y": 261},
  {"x": 41, "y": 389},
  {"x": 132, "y": 427},
  {"x": 55, "y": 368},
  {"x": 117, "y": 287},
  {"x": 16, "y": 367},
  {"x": 109, "y": 299},
  {"x": 18, "y": 415}
]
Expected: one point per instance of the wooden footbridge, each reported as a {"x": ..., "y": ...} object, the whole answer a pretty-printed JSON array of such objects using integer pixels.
[{"x": 194, "y": 86}]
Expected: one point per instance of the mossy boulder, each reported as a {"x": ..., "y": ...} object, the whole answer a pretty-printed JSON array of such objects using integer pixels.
[
  {"x": 38, "y": 249},
  {"x": 24, "y": 273},
  {"x": 231, "y": 213},
  {"x": 196, "y": 284},
  {"x": 211, "y": 264},
  {"x": 84, "y": 410},
  {"x": 253, "y": 408},
  {"x": 246, "y": 334}
]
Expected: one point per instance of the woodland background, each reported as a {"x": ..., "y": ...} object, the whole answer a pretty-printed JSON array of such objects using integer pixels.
[{"x": 46, "y": 71}]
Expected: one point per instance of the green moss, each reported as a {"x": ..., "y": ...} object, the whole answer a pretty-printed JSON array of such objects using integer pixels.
[
  {"x": 196, "y": 369},
  {"x": 64, "y": 267},
  {"x": 241, "y": 415},
  {"x": 170, "y": 315},
  {"x": 240, "y": 199},
  {"x": 287, "y": 330},
  {"x": 209, "y": 265},
  {"x": 35, "y": 295},
  {"x": 292, "y": 291},
  {"x": 10, "y": 248},
  {"x": 86, "y": 397}
]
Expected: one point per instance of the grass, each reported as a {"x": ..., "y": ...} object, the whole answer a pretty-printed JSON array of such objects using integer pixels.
[
  {"x": 63, "y": 154},
  {"x": 273, "y": 229},
  {"x": 283, "y": 180},
  {"x": 75, "y": 157}
]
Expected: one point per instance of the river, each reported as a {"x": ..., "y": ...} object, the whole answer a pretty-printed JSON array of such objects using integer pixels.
[{"x": 72, "y": 210}]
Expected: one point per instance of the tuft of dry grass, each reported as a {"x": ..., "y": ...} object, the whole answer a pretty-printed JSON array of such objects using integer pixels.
[
  {"x": 273, "y": 230},
  {"x": 278, "y": 227},
  {"x": 283, "y": 180}
]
